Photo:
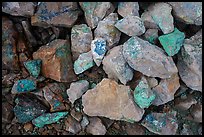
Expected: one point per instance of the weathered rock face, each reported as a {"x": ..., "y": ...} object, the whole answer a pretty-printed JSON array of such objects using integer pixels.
[
  {"x": 116, "y": 67},
  {"x": 151, "y": 35},
  {"x": 56, "y": 61},
  {"x": 77, "y": 89},
  {"x": 19, "y": 8},
  {"x": 81, "y": 37},
  {"x": 161, "y": 123},
  {"x": 190, "y": 62},
  {"x": 7, "y": 112},
  {"x": 62, "y": 14},
  {"x": 128, "y": 8},
  {"x": 108, "y": 31},
  {"x": 33, "y": 67},
  {"x": 148, "y": 21},
  {"x": 172, "y": 42},
  {"x": 152, "y": 82},
  {"x": 96, "y": 11},
  {"x": 134, "y": 129},
  {"x": 72, "y": 125},
  {"x": 84, "y": 122},
  {"x": 188, "y": 12},
  {"x": 131, "y": 25},
  {"x": 96, "y": 126},
  {"x": 148, "y": 59},
  {"x": 118, "y": 105},
  {"x": 166, "y": 89},
  {"x": 9, "y": 79},
  {"x": 9, "y": 43},
  {"x": 196, "y": 112}
]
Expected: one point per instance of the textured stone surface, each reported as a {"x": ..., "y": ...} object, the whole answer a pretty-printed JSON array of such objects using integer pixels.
[
  {"x": 172, "y": 42},
  {"x": 108, "y": 31},
  {"x": 56, "y": 60},
  {"x": 96, "y": 127},
  {"x": 152, "y": 82},
  {"x": 19, "y": 8},
  {"x": 131, "y": 25},
  {"x": 28, "y": 127},
  {"x": 161, "y": 123},
  {"x": 7, "y": 112},
  {"x": 72, "y": 125},
  {"x": 84, "y": 122},
  {"x": 62, "y": 14},
  {"x": 9, "y": 79},
  {"x": 77, "y": 89},
  {"x": 188, "y": 12},
  {"x": 116, "y": 67},
  {"x": 190, "y": 62},
  {"x": 81, "y": 37},
  {"x": 196, "y": 113},
  {"x": 33, "y": 67},
  {"x": 134, "y": 129},
  {"x": 128, "y": 8},
  {"x": 76, "y": 115},
  {"x": 148, "y": 59},
  {"x": 148, "y": 20},
  {"x": 151, "y": 35},
  {"x": 118, "y": 105}
]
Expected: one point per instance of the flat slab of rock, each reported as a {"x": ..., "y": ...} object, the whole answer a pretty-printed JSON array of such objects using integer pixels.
[
  {"x": 56, "y": 61},
  {"x": 128, "y": 8},
  {"x": 190, "y": 62},
  {"x": 118, "y": 105},
  {"x": 148, "y": 59},
  {"x": 96, "y": 126},
  {"x": 116, "y": 67}
]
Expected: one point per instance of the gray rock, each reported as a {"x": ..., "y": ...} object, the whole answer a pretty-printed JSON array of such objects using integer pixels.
[
  {"x": 148, "y": 59},
  {"x": 96, "y": 126},
  {"x": 131, "y": 25},
  {"x": 84, "y": 122},
  {"x": 186, "y": 130},
  {"x": 190, "y": 62},
  {"x": 196, "y": 113},
  {"x": 116, "y": 67},
  {"x": 128, "y": 8},
  {"x": 148, "y": 20},
  {"x": 152, "y": 82},
  {"x": 151, "y": 35}
]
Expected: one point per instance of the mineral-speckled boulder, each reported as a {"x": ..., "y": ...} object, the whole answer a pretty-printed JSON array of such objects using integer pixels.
[
  {"x": 56, "y": 60},
  {"x": 33, "y": 67},
  {"x": 118, "y": 105},
  {"x": 116, "y": 67},
  {"x": 131, "y": 25},
  {"x": 96, "y": 11},
  {"x": 19, "y": 8},
  {"x": 108, "y": 31},
  {"x": 172, "y": 42},
  {"x": 128, "y": 8},
  {"x": 96, "y": 126},
  {"x": 148, "y": 59},
  {"x": 190, "y": 62},
  {"x": 81, "y": 37},
  {"x": 62, "y": 14},
  {"x": 188, "y": 12}
]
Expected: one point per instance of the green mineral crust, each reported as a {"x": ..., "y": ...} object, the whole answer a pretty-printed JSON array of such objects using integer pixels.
[{"x": 33, "y": 67}]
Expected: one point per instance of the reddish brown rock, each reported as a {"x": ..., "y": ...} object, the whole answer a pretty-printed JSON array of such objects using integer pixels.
[
  {"x": 28, "y": 127},
  {"x": 56, "y": 61},
  {"x": 96, "y": 126},
  {"x": 72, "y": 125}
]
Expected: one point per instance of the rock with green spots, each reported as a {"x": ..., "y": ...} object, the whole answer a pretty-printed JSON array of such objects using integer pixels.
[
  {"x": 143, "y": 95},
  {"x": 83, "y": 63},
  {"x": 172, "y": 42},
  {"x": 161, "y": 123},
  {"x": 131, "y": 25},
  {"x": 148, "y": 59},
  {"x": 23, "y": 86},
  {"x": 128, "y": 8},
  {"x": 48, "y": 118},
  {"x": 148, "y": 21},
  {"x": 151, "y": 35},
  {"x": 33, "y": 67},
  {"x": 27, "y": 108},
  {"x": 81, "y": 37}
]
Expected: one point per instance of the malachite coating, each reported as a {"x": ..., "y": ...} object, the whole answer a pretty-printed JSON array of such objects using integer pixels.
[
  {"x": 48, "y": 118},
  {"x": 172, "y": 42},
  {"x": 100, "y": 48},
  {"x": 33, "y": 67},
  {"x": 25, "y": 85}
]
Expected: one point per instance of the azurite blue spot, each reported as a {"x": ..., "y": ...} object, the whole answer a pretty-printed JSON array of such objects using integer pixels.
[
  {"x": 100, "y": 47},
  {"x": 33, "y": 67},
  {"x": 25, "y": 85}
]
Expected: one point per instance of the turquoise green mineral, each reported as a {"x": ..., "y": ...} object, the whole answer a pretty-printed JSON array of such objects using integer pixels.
[
  {"x": 143, "y": 95},
  {"x": 172, "y": 42},
  {"x": 33, "y": 67},
  {"x": 48, "y": 118}
]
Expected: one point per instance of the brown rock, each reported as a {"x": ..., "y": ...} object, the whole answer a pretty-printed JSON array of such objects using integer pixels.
[
  {"x": 28, "y": 127},
  {"x": 56, "y": 61},
  {"x": 196, "y": 112},
  {"x": 7, "y": 112},
  {"x": 118, "y": 105},
  {"x": 72, "y": 125},
  {"x": 77, "y": 115},
  {"x": 96, "y": 126},
  {"x": 134, "y": 129},
  {"x": 152, "y": 82},
  {"x": 9, "y": 79}
]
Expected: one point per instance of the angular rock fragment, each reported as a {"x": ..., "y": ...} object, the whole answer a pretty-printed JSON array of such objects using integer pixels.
[
  {"x": 81, "y": 37},
  {"x": 56, "y": 61},
  {"x": 172, "y": 42},
  {"x": 116, "y": 67},
  {"x": 143, "y": 95},
  {"x": 96, "y": 126},
  {"x": 77, "y": 89},
  {"x": 166, "y": 89},
  {"x": 196, "y": 113},
  {"x": 151, "y": 35},
  {"x": 27, "y": 108},
  {"x": 84, "y": 122},
  {"x": 72, "y": 125},
  {"x": 76, "y": 115},
  {"x": 148, "y": 59},
  {"x": 98, "y": 50},
  {"x": 118, "y": 105},
  {"x": 28, "y": 127},
  {"x": 131, "y": 25},
  {"x": 128, "y": 8},
  {"x": 48, "y": 118},
  {"x": 186, "y": 130},
  {"x": 152, "y": 82},
  {"x": 188, "y": 12},
  {"x": 148, "y": 20},
  {"x": 108, "y": 31},
  {"x": 190, "y": 62},
  {"x": 96, "y": 11},
  {"x": 7, "y": 112},
  {"x": 33, "y": 67},
  {"x": 19, "y": 8},
  {"x": 84, "y": 62},
  {"x": 9, "y": 79},
  {"x": 62, "y": 14}
]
